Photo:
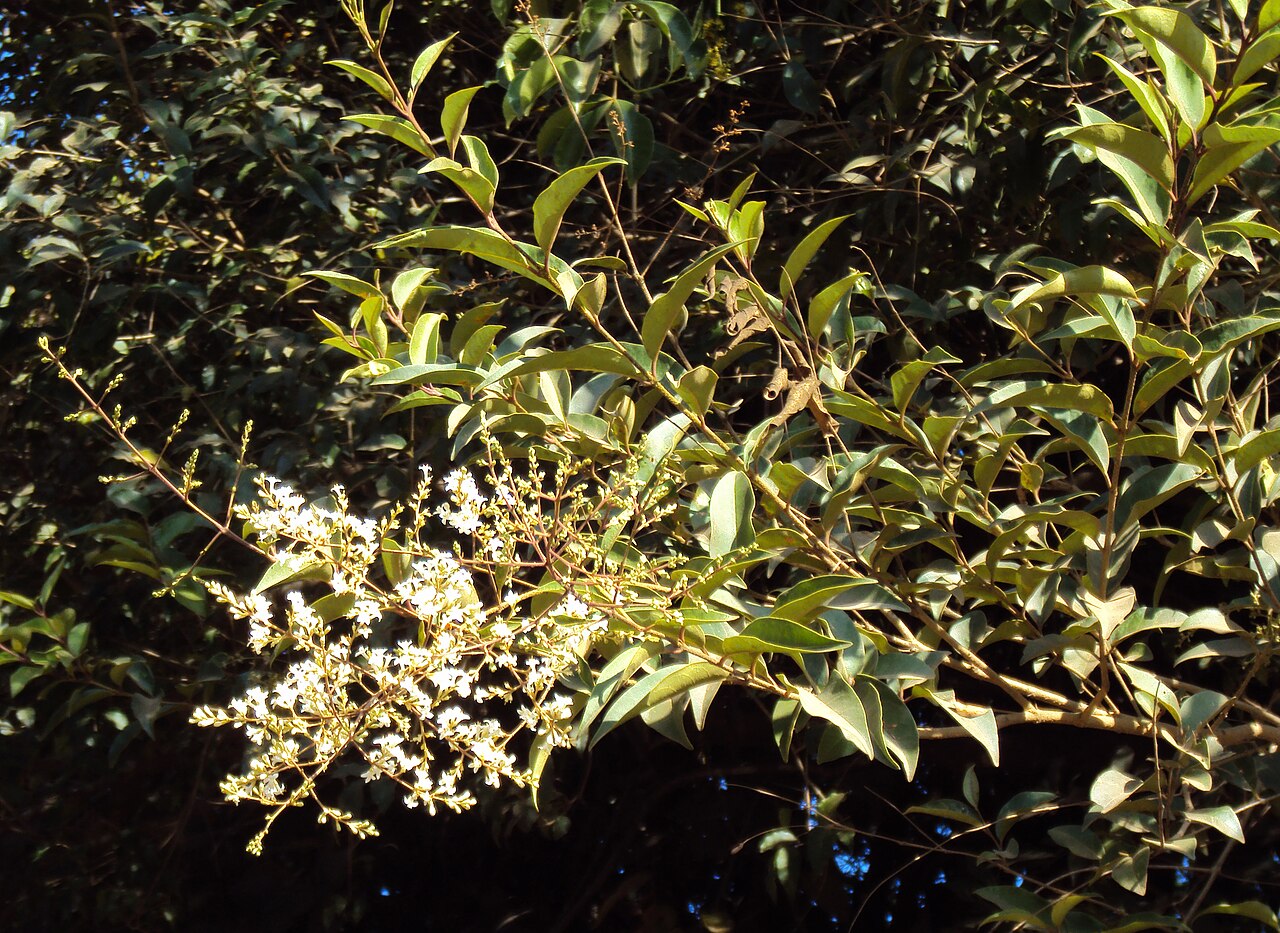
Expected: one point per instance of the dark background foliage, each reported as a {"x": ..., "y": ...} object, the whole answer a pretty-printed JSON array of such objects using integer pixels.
[{"x": 169, "y": 174}]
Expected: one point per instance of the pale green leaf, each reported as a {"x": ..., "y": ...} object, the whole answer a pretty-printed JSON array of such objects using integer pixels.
[
  {"x": 425, "y": 61},
  {"x": 550, "y": 206},
  {"x": 1226, "y": 149},
  {"x": 445, "y": 374},
  {"x": 664, "y": 311},
  {"x": 1111, "y": 788},
  {"x": 1084, "y": 280},
  {"x": 1250, "y": 910},
  {"x": 839, "y": 705},
  {"x": 398, "y": 128},
  {"x": 453, "y": 116},
  {"x": 348, "y": 283},
  {"x": 697, "y": 388},
  {"x": 684, "y": 678},
  {"x": 1223, "y": 819},
  {"x": 799, "y": 259},
  {"x": 1178, "y": 32},
  {"x": 1150, "y": 153},
  {"x": 825, "y": 302},
  {"x": 733, "y": 503},
  {"x": 291, "y": 569},
  {"x": 375, "y": 81},
  {"x": 1258, "y": 55},
  {"x": 1151, "y": 199},
  {"x": 901, "y": 735},
  {"x": 808, "y": 598},
  {"x": 474, "y": 185},
  {"x": 773, "y": 634}
]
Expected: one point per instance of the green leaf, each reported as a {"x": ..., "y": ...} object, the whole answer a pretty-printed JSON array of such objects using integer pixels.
[
  {"x": 733, "y": 503},
  {"x": 1083, "y": 398},
  {"x": 1131, "y": 871},
  {"x": 784, "y": 717},
  {"x": 839, "y": 705},
  {"x": 1151, "y": 199},
  {"x": 1150, "y": 487},
  {"x": 907, "y": 379},
  {"x": 375, "y": 81},
  {"x": 291, "y": 569},
  {"x": 1084, "y": 280},
  {"x": 21, "y": 677},
  {"x": 398, "y": 128},
  {"x": 539, "y": 754},
  {"x": 1177, "y": 32},
  {"x": 77, "y": 638},
  {"x": 348, "y": 283},
  {"x": 479, "y": 159},
  {"x": 1199, "y": 708},
  {"x": 684, "y": 678},
  {"x": 1258, "y": 448},
  {"x": 1250, "y": 910},
  {"x": 697, "y": 388},
  {"x": 1019, "y": 806},
  {"x": 453, "y": 116},
  {"x": 799, "y": 87},
  {"x": 782, "y": 635},
  {"x": 799, "y": 259},
  {"x": 664, "y": 311},
  {"x": 1078, "y": 841},
  {"x": 947, "y": 809},
  {"x": 1148, "y": 98},
  {"x": 593, "y": 294},
  {"x": 595, "y": 358},
  {"x": 597, "y": 26},
  {"x": 1231, "y": 333},
  {"x": 146, "y": 710},
  {"x": 630, "y": 703},
  {"x": 1183, "y": 52},
  {"x": 1226, "y": 149},
  {"x": 1111, "y": 788},
  {"x": 676, "y": 29},
  {"x": 1223, "y": 819},
  {"x": 1269, "y": 15},
  {"x": 1218, "y": 648},
  {"x": 425, "y": 61},
  {"x": 1258, "y": 55},
  {"x": 746, "y": 226},
  {"x": 528, "y": 86},
  {"x": 549, "y": 207},
  {"x": 17, "y": 599},
  {"x": 472, "y": 183},
  {"x": 1244, "y": 229},
  {"x": 901, "y": 735},
  {"x": 612, "y": 677},
  {"x": 410, "y": 289},
  {"x": 1150, "y": 153},
  {"x": 1159, "y": 381},
  {"x": 1018, "y": 905},
  {"x": 808, "y": 598},
  {"x": 825, "y": 302},
  {"x": 726, "y": 208},
  {"x": 445, "y": 374},
  {"x": 525, "y": 259},
  {"x": 982, "y": 726},
  {"x": 635, "y": 52}
]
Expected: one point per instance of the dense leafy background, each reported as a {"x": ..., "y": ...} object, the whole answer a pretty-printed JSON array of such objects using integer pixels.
[{"x": 170, "y": 172}]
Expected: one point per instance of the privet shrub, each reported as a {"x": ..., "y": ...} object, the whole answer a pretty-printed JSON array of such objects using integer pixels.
[{"x": 758, "y": 470}]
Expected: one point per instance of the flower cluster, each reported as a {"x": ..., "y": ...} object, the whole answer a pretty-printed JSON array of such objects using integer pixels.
[{"x": 384, "y": 661}]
